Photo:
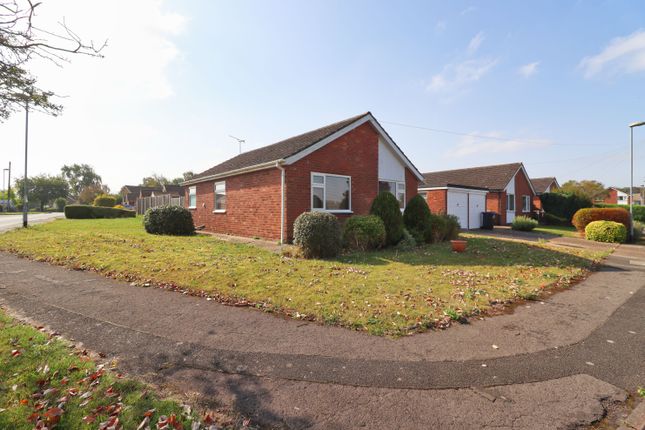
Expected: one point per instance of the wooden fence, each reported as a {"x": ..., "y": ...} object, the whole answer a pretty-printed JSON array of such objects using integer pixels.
[{"x": 145, "y": 203}]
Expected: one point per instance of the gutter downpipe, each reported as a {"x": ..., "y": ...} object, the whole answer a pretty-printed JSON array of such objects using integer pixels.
[{"x": 278, "y": 164}]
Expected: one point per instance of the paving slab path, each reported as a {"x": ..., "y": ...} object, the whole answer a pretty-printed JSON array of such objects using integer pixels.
[{"x": 557, "y": 363}]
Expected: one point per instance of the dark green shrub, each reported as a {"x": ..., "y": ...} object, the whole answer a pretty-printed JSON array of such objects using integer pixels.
[
  {"x": 172, "y": 220},
  {"x": 364, "y": 232},
  {"x": 386, "y": 207},
  {"x": 639, "y": 210},
  {"x": 564, "y": 205},
  {"x": 587, "y": 215},
  {"x": 452, "y": 227},
  {"x": 105, "y": 200},
  {"x": 438, "y": 228},
  {"x": 638, "y": 231},
  {"x": 60, "y": 204},
  {"x": 407, "y": 241},
  {"x": 606, "y": 231},
  {"x": 318, "y": 234},
  {"x": 416, "y": 218},
  {"x": 92, "y": 212},
  {"x": 550, "y": 219},
  {"x": 523, "y": 223}
]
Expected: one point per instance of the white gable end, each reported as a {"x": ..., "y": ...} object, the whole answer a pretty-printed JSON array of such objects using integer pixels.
[{"x": 390, "y": 167}]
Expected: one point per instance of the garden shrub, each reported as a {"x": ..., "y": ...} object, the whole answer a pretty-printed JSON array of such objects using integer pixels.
[
  {"x": 407, "y": 241},
  {"x": 93, "y": 212},
  {"x": 564, "y": 205},
  {"x": 119, "y": 207},
  {"x": 386, "y": 207},
  {"x": 606, "y": 231},
  {"x": 364, "y": 232},
  {"x": 60, "y": 204},
  {"x": 638, "y": 231},
  {"x": 452, "y": 226},
  {"x": 438, "y": 227},
  {"x": 550, "y": 219},
  {"x": 172, "y": 220},
  {"x": 587, "y": 215},
  {"x": 318, "y": 234},
  {"x": 523, "y": 223},
  {"x": 416, "y": 218},
  {"x": 105, "y": 200},
  {"x": 639, "y": 210}
]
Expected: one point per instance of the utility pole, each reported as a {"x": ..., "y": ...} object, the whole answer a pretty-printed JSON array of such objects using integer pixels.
[
  {"x": 9, "y": 187},
  {"x": 25, "y": 198}
]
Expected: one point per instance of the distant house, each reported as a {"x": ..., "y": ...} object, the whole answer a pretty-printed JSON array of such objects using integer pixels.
[
  {"x": 131, "y": 193},
  {"x": 466, "y": 193},
  {"x": 338, "y": 168},
  {"x": 615, "y": 197},
  {"x": 541, "y": 186}
]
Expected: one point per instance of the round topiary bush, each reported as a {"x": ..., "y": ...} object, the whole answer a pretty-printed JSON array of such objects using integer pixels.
[
  {"x": 523, "y": 223},
  {"x": 318, "y": 234},
  {"x": 585, "y": 216},
  {"x": 417, "y": 218},
  {"x": 364, "y": 232},
  {"x": 606, "y": 231},
  {"x": 173, "y": 220},
  {"x": 105, "y": 200},
  {"x": 386, "y": 207}
]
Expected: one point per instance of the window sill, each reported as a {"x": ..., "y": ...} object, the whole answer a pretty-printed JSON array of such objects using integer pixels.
[
  {"x": 341, "y": 211},
  {"x": 219, "y": 211},
  {"x": 192, "y": 207}
]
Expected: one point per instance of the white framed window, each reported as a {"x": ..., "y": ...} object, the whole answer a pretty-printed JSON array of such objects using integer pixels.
[
  {"x": 394, "y": 187},
  {"x": 220, "y": 196},
  {"x": 510, "y": 202},
  {"x": 192, "y": 197},
  {"x": 526, "y": 203},
  {"x": 331, "y": 192}
]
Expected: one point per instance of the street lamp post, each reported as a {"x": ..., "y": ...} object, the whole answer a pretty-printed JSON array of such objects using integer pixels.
[
  {"x": 632, "y": 126},
  {"x": 25, "y": 199}
]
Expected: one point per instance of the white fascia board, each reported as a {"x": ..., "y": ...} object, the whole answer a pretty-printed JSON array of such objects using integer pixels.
[
  {"x": 262, "y": 166},
  {"x": 526, "y": 175},
  {"x": 466, "y": 190},
  {"x": 367, "y": 118}
]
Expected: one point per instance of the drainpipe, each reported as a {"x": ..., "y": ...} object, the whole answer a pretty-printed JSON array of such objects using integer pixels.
[{"x": 278, "y": 164}]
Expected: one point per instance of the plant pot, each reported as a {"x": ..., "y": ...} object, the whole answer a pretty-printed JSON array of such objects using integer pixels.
[{"x": 458, "y": 245}]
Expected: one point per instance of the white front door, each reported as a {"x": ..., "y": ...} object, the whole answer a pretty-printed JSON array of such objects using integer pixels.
[{"x": 458, "y": 206}]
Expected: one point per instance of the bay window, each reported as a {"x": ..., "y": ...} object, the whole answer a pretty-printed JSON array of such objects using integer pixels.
[{"x": 331, "y": 192}]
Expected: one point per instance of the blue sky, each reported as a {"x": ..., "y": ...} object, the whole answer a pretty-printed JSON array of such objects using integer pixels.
[{"x": 552, "y": 84}]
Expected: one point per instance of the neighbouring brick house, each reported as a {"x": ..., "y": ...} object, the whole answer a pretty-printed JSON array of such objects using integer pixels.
[
  {"x": 130, "y": 193},
  {"x": 541, "y": 186},
  {"x": 338, "y": 168},
  {"x": 615, "y": 197},
  {"x": 466, "y": 193}
]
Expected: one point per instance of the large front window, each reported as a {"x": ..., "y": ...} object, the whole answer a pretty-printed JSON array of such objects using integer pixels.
[
  {"x": 331, "y": 192},
  {"x": 394, "y": 187}
]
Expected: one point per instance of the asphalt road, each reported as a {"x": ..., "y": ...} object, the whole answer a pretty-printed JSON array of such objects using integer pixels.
[{"x": 9, "y": 222}]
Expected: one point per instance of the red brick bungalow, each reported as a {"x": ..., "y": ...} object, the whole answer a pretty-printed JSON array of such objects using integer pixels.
[
  {"x": 541, "y": 186},
  {"x": 505, "y": 189},
  {"x": 338, "y": 168}
]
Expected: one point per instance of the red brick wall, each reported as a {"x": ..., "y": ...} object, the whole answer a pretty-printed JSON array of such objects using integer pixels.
[
  {"x": 522, "y": 188},
  {"x": 252, "y": 206},
  {"x": 537, "y": 203},
  {"x": 612, "y": 197},
  {"x": 411, "y": 185},
  {"x": 496, "y": 202},
  {"x": 437, "y": 201}
]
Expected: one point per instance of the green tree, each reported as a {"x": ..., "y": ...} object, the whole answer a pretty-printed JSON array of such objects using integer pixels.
[
  {"x": 80, "y": 176},
  {"x": 22, "y": 40},
  {"x": 89, "y": 193},
  {"x": 591, "y": 189},
  {"x": 42, "y": 189},
  {"x": 154, "y": 180},
  {"x": 186, "y": 176}
]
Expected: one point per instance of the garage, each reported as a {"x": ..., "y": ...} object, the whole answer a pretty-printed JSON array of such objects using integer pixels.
[{"x": 467, "y": 205}]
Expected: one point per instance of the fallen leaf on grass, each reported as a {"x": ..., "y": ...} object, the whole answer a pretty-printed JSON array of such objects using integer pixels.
[{"x": 15, "y": 353}]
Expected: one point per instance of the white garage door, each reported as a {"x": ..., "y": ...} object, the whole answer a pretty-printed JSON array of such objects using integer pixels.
[
  {"x": 458, "y": 206},
  {"x": 477, "y": 205}
]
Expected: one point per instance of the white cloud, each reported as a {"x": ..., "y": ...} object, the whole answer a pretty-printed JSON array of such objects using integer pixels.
[
  {"x": 621, "y": 55},
  {"x": 529, "y": 69},
  {"x": 469, "y": 9},
  {"x": 456, "y": 76},
  {"x": 493, "y": 142},
  {"x": 475, "y": 42}
]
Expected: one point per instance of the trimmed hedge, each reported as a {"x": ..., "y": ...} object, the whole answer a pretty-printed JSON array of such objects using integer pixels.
[
  {"x": 105, "y": 200},
  {"x": 386, "y": 207},
  {"x": 523, "y": 223},
  {"x": 638, "y": 231},
  {"x": 639, "y": 210},
  {"x": 606, "y": 231},
  {"x": 364, "y": 232},
  {"x": 171, "y": 220},
  {"x": 94, "y": 212},
  {"x": 585, "y": 216},
  {"x": 417, "y": 218},
  {"x": 318, "y": 234},
  {"x": 564, "y": 205}
]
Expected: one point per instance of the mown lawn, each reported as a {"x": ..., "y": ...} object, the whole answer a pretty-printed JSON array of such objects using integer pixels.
[
  {"x": 384, "y": 292},
  {"x": 44, "y": 382},
  {"x": 566, "y": 231}
]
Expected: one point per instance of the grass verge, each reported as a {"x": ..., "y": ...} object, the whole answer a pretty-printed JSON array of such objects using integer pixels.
[
  {"x": 386, "y": 292},
  {"x": 558, "y": 230}
]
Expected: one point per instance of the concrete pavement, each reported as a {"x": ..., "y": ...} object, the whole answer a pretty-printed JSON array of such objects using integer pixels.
[{"x": 558, "y": 363}]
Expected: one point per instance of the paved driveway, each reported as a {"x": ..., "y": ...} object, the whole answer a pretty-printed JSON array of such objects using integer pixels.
[{"x": 9, "y": 222}]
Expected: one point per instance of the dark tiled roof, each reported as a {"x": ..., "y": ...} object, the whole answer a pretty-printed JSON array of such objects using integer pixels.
[
  {"x": 134, "y": 191},
  {"x": 493, "y": 178},
  {"x": 280, "y": 150},
  {"x": 541, "y": 184},
  {"x": 173, "y": 190}
]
